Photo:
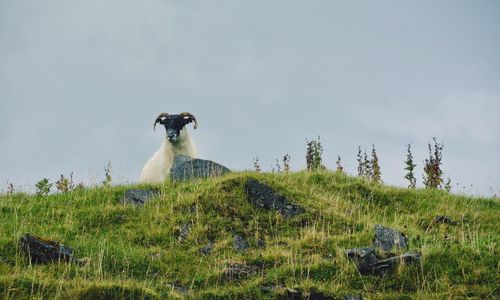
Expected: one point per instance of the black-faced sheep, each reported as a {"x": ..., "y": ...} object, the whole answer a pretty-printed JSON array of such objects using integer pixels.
[{"x": 176, "y": 142}]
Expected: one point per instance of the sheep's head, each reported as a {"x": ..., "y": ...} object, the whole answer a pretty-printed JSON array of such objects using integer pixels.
[{"x": 174, "y": 124}]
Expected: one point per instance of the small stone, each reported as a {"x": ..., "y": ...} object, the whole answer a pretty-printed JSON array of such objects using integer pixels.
[
  {"x": 261, "y": 243},
  {"x": 239, "y": 243},
  {"x": 387, "y": 238},
  {"x": 138, "y": 196},
  {"x": 40, "y": 250},
  {"x": 444, "y": 220},
  {"x": 183, "y": 232},
  {"x": 207, "y": 249}
]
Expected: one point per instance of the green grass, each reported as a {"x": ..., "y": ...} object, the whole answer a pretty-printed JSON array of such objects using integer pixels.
[{"x": 134, "y": 252}]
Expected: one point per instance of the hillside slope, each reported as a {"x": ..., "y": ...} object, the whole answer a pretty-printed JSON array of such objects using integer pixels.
[{"x": 182, "y": 242}]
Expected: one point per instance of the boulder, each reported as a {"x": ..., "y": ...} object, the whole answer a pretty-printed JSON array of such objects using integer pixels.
[
  {"x": 263, "y": 196},
  {"x": 387, "y": 239},
  {"x": 186, "y": 168},
  {"x": 138, "y": 196},
  {"x": 40, "y": 250}
]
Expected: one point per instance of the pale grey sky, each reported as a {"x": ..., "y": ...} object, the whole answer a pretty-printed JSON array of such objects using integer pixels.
[{"x": 82, "y": 81}]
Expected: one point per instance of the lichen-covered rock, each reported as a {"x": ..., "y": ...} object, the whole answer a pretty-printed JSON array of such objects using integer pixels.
[
  {"x": 235, "y": 270},
  {"x": 186, "y": 168},
  {"x": 263, "y": 196},
  {"x": 40, "y": 250},
  {"x": 387, "y": 239},
  {"x": 138, "y": 196}
]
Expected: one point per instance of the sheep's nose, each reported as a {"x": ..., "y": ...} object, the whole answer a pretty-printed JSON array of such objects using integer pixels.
[{"x": 171, "y": 136}]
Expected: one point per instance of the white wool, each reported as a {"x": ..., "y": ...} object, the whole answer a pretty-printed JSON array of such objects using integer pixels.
[{"x": 157, "y": 169}]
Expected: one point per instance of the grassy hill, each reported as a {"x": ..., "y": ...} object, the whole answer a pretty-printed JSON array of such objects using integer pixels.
[{"x": 153, "y": 252}]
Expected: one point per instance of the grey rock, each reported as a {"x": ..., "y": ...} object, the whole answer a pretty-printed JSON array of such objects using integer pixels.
[
  {"x": 186, "y": 168},
  {"x": 40, "y": 250},
  {"x": 239, "y": 243},
  {"x": 237, "y": 271},
  {"x": 263, "y": 196},
  {"x": 368, "y": 264},
  {"x": 387, "y": 239},
  {"x": 207, "y": 249},
  {"x": 138, "y": 196},
  {"x": 317, "y": 295},
  {"x": 444, "y": 220},
  {"x": 385, "y": 265},
  {"x": 364, "y": 258}
]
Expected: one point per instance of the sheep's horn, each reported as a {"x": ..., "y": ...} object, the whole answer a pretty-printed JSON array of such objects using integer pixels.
[
  {"x": 190, "y": 118},
  {"x": 159, "y": 119}
]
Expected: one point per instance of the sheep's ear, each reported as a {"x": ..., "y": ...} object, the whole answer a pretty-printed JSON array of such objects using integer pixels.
[{"x": 188, "y": 118}]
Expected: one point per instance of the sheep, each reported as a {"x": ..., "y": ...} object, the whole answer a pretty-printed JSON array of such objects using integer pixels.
[{"x": 176, "y": 142}]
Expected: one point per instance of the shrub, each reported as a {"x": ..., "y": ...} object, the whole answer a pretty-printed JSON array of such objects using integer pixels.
[
  {"x": 43, "y": 187},
  {"x": 65, "y": 184},
  {"x": 410, "y": 166},
  {"x": 433, "y": 175},
  {"x": 313, "y": 155}
]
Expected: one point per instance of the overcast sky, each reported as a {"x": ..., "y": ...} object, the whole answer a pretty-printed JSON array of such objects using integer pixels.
[{"x": 81, "y": 83}]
